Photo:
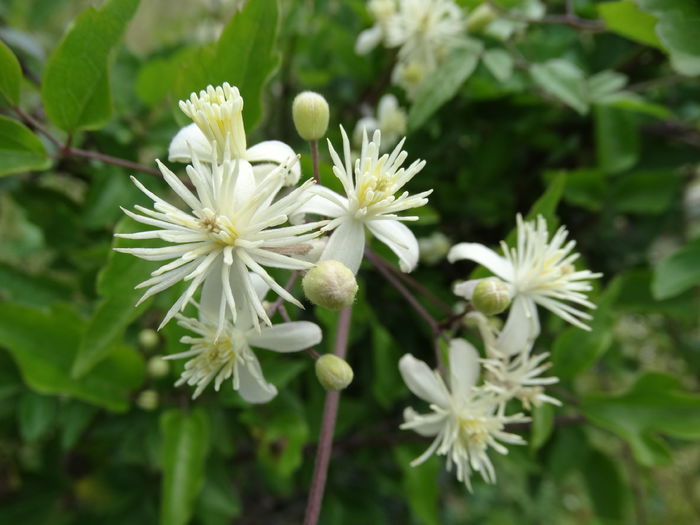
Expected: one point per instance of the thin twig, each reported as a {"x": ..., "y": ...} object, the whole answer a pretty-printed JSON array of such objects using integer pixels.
[
  {"x": 108, "y": 159},
  {"x": 325, "y": 442},
  {"x": 29, "y": 119}
]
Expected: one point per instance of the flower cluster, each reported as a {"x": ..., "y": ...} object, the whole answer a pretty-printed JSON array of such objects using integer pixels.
[{"x": 467, "y": 419}]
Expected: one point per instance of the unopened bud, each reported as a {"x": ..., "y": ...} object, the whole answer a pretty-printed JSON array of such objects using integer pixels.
[
  {"x": 310, "y": 113},
  {"x": 147, "y": 400},
  {"x": 157, "y": 367},
  {"x": 481, "y": 17},
  {"x": 491, "y": 296},
  {"x": 330, "y": 284},
  {"x": 148, "y": 339},
  {"x": 333, "y": 373}
]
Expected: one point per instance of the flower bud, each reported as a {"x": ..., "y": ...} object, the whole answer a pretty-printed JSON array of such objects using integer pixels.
[
  {"x": 330, "y": 284},
  {"x": 147, "y": 400},
  {"x": 481, "y": 17},
  {"x": 310, "y": 113},
  {"x": 148, "y": 339},
  {"x": 491, "y": 296},
  {"x": 333, "y": 373},
  {"x": 157, "y": 367}
]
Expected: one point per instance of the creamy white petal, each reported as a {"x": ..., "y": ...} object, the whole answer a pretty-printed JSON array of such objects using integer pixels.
[
  {"x": 287, "y": 337},
  {"x": 346, "y": 245},
  {"x": 400, "y": 239},
  {"x": 253, "y": 387},
  {"x": 464, "y": 367},
  {"x": 325, "y": 202},
  {"x": 427, "y": 425},
  {"x": 274, "y": 152},
  {"x": 484, "y": 256},
  {"x": 368, "y": 40},
  {"x": 521, "y": 328},
  {"x": 187, "y": 139},
  {"x": 422, "y": 381}
]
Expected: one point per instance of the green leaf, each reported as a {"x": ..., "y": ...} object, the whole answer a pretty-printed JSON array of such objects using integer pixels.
[
  {"x": 575, "y": 349},
  {"x": 678, "y": 31},
  {"x": 387, "y": 385},
  {"x": 31, "y": 290},
  {"x": 605, "y": 486},
  {"x": 656, "y": 404},
  {"x": 44, "y": 344},
  {"x": 20, "y": 149},
  {"x": 563, "y": 80},
  {"x": 420, "y": 485},
  {"x": 75, "y": 417},
  {"x": 678, "y": 272},
  {"x": 75, "y": 88},
  {"x": 499, "y": 63},
  {"x": 542, "y": 426},
  {"x": 626, "y": 19},
  {"x": 617, "y": 139},
  {"x": 10, "y": 74},
  {"x": 444, "y": 82},
  {"x": 116, "y": 308},
  {"x": 245, "y": 56},
  {"x": 185, "y": 449},
  {"x": 648, "y": 192},
  {"x": 36, "y": 415}
]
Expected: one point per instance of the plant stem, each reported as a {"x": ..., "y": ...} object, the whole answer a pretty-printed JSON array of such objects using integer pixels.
[
  {"x": 29, "y": 119},
  {"x": 314, "y": 160},
  {"x": 75, "y": 152},
  {"x": 325, "y": 441}
]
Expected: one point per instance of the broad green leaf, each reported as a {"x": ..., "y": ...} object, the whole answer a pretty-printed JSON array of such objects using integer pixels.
[
  {"x": 656, "y": 404},
  {"x": 75, "y": 88},
  {"x": 677, "y": 29},
  {"x": 617, "y": 139},
  {"x": 626, "y": 19},
  {"x": 499, "y": 63},
  {"x": 678, "y": 272},
  {"x": 444, "y": 82},
  {"x": 10, "y": 75},
  {"x": 74, "y": 419},
  {"x": 633, "y": 102},
  {"x": 563, "y": 80},
  {"x": 647, "y": 192},
  {"x": 245, "y": 56},
  {"x": 575, "y": 350},
  {"x": 605, "y": 486},
  {"x": 36, "y": 415},
  {"x": 44, "y": 345},
  {"x": 20, "y": 149},
  {"x": 184, "y": 453},
  {"x": 219, "y": 501},
  {"x": 421, "y": 489},
  {"x": 542, "y": 425},
  {"x": 604, "y": 85},
  {"x": 387, "y": 385},
  {"x": 546, "y": 205},
  {"x": 116, "y": 308},
  {"x": 584, "y": 187},
  {"x": 31, "y": 290}
]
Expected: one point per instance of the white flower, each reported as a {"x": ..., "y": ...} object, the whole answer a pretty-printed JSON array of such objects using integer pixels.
[
  {"x": 219, "y": 354},
  {"x": 540, "y": 271},
  {"x": 434, "y": 248},
  {"x": 465, "y": 421},
  {"x": 232, "y": 228},
  {"x": 391, "y": 121},
  {"x": 381, "y": 11},
  {"x": 371, "y": 202},
  {"x": 217, "y": 127}
]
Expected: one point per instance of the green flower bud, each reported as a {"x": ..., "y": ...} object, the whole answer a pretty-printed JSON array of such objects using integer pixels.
[
  {"x": 148, "y": 339},
  {"x": 147, "y": 400},
  {"x": 481, "y": 17},
  {"x": 157, "y": 367},
  {"x": 491, "y": 296},
  {"x": 330, "y": 284},
  {"x": 310, "y": 113},
  {"x": 333, "y": 373}
]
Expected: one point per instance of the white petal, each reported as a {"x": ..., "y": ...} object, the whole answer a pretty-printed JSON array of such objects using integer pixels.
[
  {"x": 426, "y": 425},
  {"x": 245, "y": 185},
  {"x": 189, "y": 137},
  {"x": 400, "y": 239},
  {"x": 368, "y": 40},
  {"x": 212, "y": 291},
  {"x": 324, "y": 202},
  {"x": 464, "y": 367},
  {"x": 521, "y": 328},
  {"x": 287, "y": 337},
  {"x": 269, "y": 154},
  {"x": 484, "y": 256},
  {"x": 347, "y": 244},
  {"x": 422, "y": 381},
  {"x": 253, "y": 387}
]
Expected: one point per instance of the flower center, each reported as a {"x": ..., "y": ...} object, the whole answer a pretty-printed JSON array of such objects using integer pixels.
[
  {"x": 473, "y": 431},
  {"x": 219, "y": 228},
  {"x": 376, "y": 186}
]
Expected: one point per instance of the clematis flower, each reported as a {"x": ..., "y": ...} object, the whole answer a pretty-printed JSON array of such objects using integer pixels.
[
  {"x": 390, "y": 120},
  {"x": 220, "y": 354},
  {"x": 217, "y": 115},
  {"x": 233, "y": 226},
  {"x": 370, "y": 202},
  {"x": 539, "y": 271},
  {"x": 464, "y": 421}
]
